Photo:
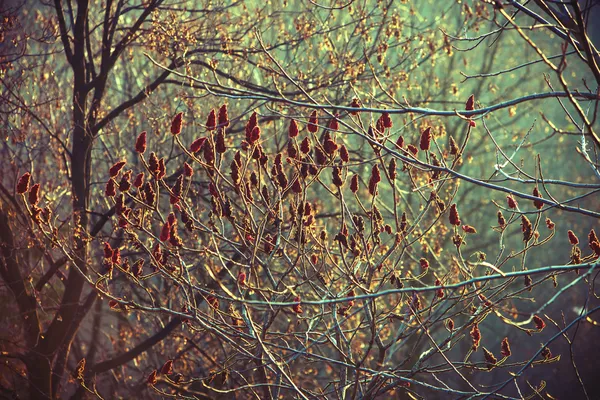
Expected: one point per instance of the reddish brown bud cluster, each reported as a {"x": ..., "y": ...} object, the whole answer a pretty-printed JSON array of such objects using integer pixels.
[
  {"x": 211, "y": 121},
  {"x": 176, "y": 124},
  {"x": 374, "y": 180},
  {"x": 400, "y": 142},
  {"x": 313, "y": 122},
  {"x": 453, "y": 217},
  {"x": 167, "y": 368},
  {"x": 546, "y": 353},
  {"x": 337, "y": 177},
  {"x": 23, "y": 184},
  {"x": 297, "y": 307},
  {"x": 454, "y": 149},
  {"x": 392, "y": 169},
  {"x": 223, "y": 117},
  {"x": 355, "y": 104},
  {"x": 140, "y": 143},
  {"x": 572, "y": 238},
  {"x": 501, "y": 219},
  {"x": 469, "y": 229},
  {"x": 241, "y": 278},
  {"x": 537, "y": 203},
  {"x": 386, "y": 120},
  {"x": 424, "y": 264},
  {"x": 334, "y": 124},
  {"x": 344, "y": 155},
  {"x": 512, "y": 203},
  {"x": 470, "y": 105},
  {"x": 539, "y": 323},
  {"x": 116, "y": 168},
  {"x": 220, "y": 142},
  {"x": 549, "y": 224},
  {"x": 111, "y": 188},
  {"x": 426, "y": 139},
  {"x": 354, "y": 184},
  {"x": 439, "y": 292},
  {"x": 505, "y": 348},
  {"x": 594, "y": 243},
  {"x": 450, "y": 324},
  {"x": 293, "y": 129},
  {"x": 413, "y": 149},
  {"x": 197, "y": 145},
  {"x": 329, "y": 145},
  {"x": 476, "y": 336},
  {"x": 527, "y": 228},
  {"x": 153, "y": 379}
]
